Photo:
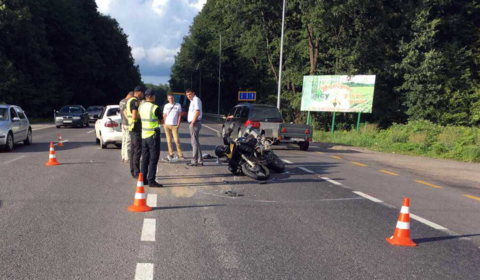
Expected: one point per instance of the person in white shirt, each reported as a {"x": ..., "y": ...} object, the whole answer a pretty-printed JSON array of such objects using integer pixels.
[
  {"x": 172, "y": 117},
  {"x": 195, "y": 125}
]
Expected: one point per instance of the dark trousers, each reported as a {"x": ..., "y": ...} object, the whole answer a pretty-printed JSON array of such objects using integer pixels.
[
  {"x": 150, "y": 156},
  {"x": 135, "y": 152}
]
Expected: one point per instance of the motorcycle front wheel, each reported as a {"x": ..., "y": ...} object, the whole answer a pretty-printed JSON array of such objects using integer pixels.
[
  {"x": 276, "y": 164},
  {"x": 258, "y": 172}
]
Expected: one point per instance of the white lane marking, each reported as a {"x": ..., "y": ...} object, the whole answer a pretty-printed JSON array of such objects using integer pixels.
[
  {"x": 148, "y": 230},
  {"x": 210, "y": 128},
  {"x": 369, "y": 197},
  {"x": 43, "y": 127},
  {"x": 91, "y": 131},
  {"x": 287, "y": 161},
  {"x": 331, "y": 181},
  {"x": 152, "y": 200},
  {"x": 144, "y": 271},
  {"x": 306, "y": 170},
  {"x": 427, "y": 222},
  {"x": 61, "y": 141},
  {"x": 12, "y": 160}
]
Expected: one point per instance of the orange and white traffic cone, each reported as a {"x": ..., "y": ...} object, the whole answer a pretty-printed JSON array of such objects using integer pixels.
[
  {"x": 140, "y": 202},
  {"x": 60, "y": 144},
  {"x": 401, "y": 236},
  {"x": 52, "y": 158}
]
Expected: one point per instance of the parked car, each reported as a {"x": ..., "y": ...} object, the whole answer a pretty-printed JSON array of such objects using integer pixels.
[
  {"x": 14, "y": 127},
  {"x": 71, "y": 115},
  {"x": 108, "y": 128},
  {"x": 268, "y": 118},
  {"x": 94, "y": 112}
]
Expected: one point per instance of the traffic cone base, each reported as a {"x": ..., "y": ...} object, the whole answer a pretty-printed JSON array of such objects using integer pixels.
[
  {"x": 52, "y": 158},
  {"x": 140, "y": 202},
  {"x": 401, "y": 236}
]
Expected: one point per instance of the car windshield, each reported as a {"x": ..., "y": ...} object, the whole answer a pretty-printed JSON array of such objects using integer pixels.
[
  {"x": 3, "y": 114},
  {"x": 113, "y": 112},
  {"x": 95, "y": 108},
  {"x": 262, "y": 113},
  {"x": 71, "y": 109}
]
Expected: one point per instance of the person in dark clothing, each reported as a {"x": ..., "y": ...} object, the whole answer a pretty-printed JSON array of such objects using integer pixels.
[
  {"x": 135, "y": 128},
  {"x": 150, "y": 115}
]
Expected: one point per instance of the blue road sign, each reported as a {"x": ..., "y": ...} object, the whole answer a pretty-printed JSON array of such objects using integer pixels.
[{"x": 247, "y": 96}]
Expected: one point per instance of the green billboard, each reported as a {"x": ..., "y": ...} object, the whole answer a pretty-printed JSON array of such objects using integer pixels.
[{"x": 338, "y": 93}]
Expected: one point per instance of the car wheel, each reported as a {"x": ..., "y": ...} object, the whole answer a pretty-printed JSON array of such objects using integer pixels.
[
  {"x": 96, "y": 139},
  {"x": 29, "y": 140},
  {"x": 9, "y": 146},
  {"x": 304, "y": 145},
  {"x": 102, "y": 144},
  {"x": 88, "y": 123},
  {"x": 58, "y": 126}
]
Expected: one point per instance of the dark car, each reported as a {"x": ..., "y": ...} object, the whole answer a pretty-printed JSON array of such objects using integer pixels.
[
  {"x": 72, "y": 115},
  {"x": 94, "y": 112},
  {"x": 252, "y": 114}
]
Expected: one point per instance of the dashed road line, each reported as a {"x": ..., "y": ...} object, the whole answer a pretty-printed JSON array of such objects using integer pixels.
[
  {"x": 148, "y": 230},
  {"x": 321, "y": 153},
  {"x": 472, "y": 197},
  {"x": 359, "y": 164},
  {"x": 388, "y": 172},
  {"x": 287, "y": 161},
  {"x": 331, "y": 181},
  {"x": 427, "y": 184},
  {"x": 368, "y": 197},
  {"x": 43, "y": 127},
  {"x": 62, "y": 142},
  {"x": 337, "y": 157},
  {"x": 13, "y": 160},
  {"x": 306, "y": 170},
  {"x": 210, "y": 128},
  {"x": 144, "y": 271},
  {"x": 91, "y": 131},
  {"x": 152, "y": 200},
  {"x": 427, "y": 222}
]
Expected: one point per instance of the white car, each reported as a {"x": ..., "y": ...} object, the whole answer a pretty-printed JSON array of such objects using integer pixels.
[
  {"x": 14, "y": 127},
  {"x": 108, "y": 128}
]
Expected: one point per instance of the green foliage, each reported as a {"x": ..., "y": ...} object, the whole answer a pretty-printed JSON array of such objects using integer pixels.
[
  {"x": 422, "y": 138},
  {"x": 55, "y": 52}
]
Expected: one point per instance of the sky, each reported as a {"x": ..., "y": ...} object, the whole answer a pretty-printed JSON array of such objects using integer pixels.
[{"x": 155, "y": 30}]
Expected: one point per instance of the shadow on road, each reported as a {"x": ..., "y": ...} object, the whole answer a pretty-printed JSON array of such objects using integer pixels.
[
  {"x": 45, "y": 147},
  {"x": 185, "y": 207},
  {"x": 442, "y": 238},
  {"x": 90, "y": 162}
]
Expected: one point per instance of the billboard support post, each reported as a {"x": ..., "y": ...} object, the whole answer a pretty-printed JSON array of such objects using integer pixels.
[
  {"x": 358, "y": 121},
  {"x": 333, "y": 122},
  {"x": 308, "y": 118}
]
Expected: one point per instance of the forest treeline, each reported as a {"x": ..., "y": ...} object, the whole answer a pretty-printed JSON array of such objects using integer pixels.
[
  {"x": 425, "y": 54},
  {"x": 58, "y": 52}
]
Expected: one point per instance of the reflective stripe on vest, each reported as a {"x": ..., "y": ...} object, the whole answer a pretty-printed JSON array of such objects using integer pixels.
[
  {"x": 131, "y": 121},
  {"x": 149, "y": 120}
]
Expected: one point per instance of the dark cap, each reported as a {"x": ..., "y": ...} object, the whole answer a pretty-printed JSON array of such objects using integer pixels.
[
  {"x": 139, "y": 88},
  {"x": 149, "y": 92}
]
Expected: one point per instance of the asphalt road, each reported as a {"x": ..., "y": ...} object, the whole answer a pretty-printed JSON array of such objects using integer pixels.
[{"x": 71, "y": 221}]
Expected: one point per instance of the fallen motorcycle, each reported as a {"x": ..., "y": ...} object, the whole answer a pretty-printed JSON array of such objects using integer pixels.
[{"x": 263, "y": 151}]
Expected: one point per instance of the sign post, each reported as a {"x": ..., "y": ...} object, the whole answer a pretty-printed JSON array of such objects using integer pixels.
[
  {"x": 358, "y": 120},
  {"x": 333, "y": 122}
]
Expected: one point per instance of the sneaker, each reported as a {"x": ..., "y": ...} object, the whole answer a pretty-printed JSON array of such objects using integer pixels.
[
  {"x": 155, "y": 185},
  {"x": 182, "y": 157},
  {"x": 168, "y": 158}
]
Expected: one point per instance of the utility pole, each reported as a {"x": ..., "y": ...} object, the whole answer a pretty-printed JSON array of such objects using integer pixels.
[
  {"x": 281, "y": 59},
  {"x": 219, "y": 71}
]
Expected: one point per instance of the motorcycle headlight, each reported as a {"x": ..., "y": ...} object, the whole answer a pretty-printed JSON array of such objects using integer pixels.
[{"x": 76, "y": 118}]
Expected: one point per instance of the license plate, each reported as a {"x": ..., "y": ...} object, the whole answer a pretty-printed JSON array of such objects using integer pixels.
[
  {"x": 67, "y": 121},
  {"x": 298, "y": 139}
]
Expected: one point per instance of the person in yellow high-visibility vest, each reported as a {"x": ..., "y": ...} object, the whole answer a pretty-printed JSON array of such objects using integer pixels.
[
  {"x": 135, "y": 130},
  {"x": 150, "y": 115}
]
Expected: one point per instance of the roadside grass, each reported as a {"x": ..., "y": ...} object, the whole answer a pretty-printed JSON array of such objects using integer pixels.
[
  {"x": 419, "y": 138},
  {"x": 40, "y": 120}
]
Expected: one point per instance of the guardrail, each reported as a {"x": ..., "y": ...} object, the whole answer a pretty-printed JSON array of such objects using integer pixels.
[{"x": 214, "y": 117}]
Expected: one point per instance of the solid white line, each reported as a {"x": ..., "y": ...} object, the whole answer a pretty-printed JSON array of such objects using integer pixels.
[
  {"x": 62, "y": 142},
  {"x": 148, "y": 230},
  {"x": 91, "y": 131},
  {"x": 12, "y": 160},
  {"x": 427, "y": 222},
  {"x": 210, "y": 128},
  {"x": 331, "y": 181},
  {"x": 152, "y": 200},
  {"x": 306, "y": 170},
  {"x": 287, "y": 161},
  {"x": 368, "y": 197},
  {"x": 43, "y": 127},
  {"x": 144, "y": 271}
]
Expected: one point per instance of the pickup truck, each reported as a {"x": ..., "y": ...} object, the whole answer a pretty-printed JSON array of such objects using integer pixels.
[{"x": 268, "y": 118}]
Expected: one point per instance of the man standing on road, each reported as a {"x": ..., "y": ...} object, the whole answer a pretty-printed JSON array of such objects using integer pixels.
[
  {"x": 151, "y": 116},
  {"x": 125, "y": 133},
  {"x": 195, "y": 125},
  {"x": 135, "y": 128},
  {"x": 172, "y": 118}
]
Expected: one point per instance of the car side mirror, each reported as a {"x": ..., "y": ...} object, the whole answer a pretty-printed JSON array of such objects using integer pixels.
[{"x": 16, "y": 119}]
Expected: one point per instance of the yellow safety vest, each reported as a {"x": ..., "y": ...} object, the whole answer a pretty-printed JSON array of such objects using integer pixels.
[
  {"x": 149, "y": 120},
  {"x": 131, "y": 121}
]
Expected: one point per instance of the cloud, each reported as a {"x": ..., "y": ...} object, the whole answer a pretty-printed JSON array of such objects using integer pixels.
[{"x": 155, "y": 29}]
